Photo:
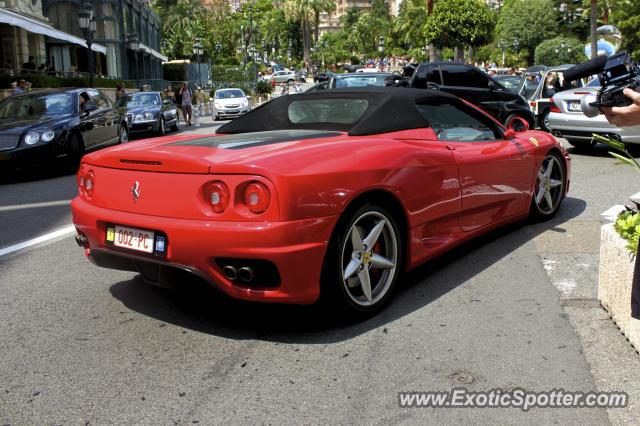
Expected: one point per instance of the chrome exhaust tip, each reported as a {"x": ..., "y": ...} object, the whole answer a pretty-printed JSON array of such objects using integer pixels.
[
  {"x": 245, "y": 274},
  {"x": 82, "y": 241},
  {"x": 230, "y": 272}
]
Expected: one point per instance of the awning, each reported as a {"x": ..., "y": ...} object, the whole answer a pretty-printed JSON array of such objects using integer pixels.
[
  {"x": 35, "y": 26},
  {"x": 153, "y": 52}
]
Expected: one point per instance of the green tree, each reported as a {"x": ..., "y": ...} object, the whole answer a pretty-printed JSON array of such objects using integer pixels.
[
  {"x": 625, "y": 14},
  {"x": 560, "y": 50},
  {"x": 527, "y": 23},
  {"x": 457, "y": 23}
]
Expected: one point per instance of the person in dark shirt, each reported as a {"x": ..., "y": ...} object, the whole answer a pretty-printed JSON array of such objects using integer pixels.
[{"x": 30, "y": 65}]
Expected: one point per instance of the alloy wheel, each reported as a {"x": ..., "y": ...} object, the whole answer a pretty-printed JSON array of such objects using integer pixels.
[
  {"x": 369, "y": 259},
  {"x": 549, "y": 185}
]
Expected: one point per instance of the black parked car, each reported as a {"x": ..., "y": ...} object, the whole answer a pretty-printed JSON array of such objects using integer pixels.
[
  {"x": 45, "y": 124},
  {"x": 148, "y": 112},
  {"x": 475, "y": 86}
]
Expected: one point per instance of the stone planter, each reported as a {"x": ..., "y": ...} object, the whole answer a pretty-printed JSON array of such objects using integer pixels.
[{"x": 614, "y": 283}]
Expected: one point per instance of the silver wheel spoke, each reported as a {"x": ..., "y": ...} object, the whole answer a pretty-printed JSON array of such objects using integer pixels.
[
  {"x": 555, "y": 183},
  {"x": 540, "y": 176},
  {"x": 540, "y": 195},
  {"x": 356, "y": 240},
  {"x": 547, "y": 173},
  {"x": 373, "y": 236},
  {"x": 351, "y": 269},
  {"x": 380, "y": 262},
  {"x": 365, "y": 283},
  {"x": 547, "y": 196}
]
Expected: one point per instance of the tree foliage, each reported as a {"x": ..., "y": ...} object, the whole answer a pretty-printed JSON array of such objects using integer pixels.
[
  {"x": 456, "y": 23},
  {"x": 560, "y": 50},
  {"x": 626, "y": 15},
  {"x": 527, "y": 23}
]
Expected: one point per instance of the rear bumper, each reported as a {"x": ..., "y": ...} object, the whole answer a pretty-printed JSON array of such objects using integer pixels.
[
  {"x": 581, "y": 127},
  {"x": 296, "y": 248}
]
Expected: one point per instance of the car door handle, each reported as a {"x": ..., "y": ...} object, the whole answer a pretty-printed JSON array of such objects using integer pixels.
[{"x": 451, "y": 147}]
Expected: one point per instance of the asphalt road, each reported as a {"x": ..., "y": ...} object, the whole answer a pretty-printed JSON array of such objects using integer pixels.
[{"x": 84, "y": 345}]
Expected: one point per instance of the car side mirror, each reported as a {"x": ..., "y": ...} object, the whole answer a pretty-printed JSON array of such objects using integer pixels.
[
  {"x": 516, "y": 125},
  {"x": 89, "y": 106},
  {"x": 493, "y": 85}
]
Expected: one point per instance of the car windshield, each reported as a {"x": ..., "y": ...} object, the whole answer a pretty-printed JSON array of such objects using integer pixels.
[
  {"x": 344, "y": 111},
  {"x": 360, "y": 81},
  {"x": 229, "y": 94},
  {"x": 510, "y": 83},
  {"x": 35, "y": 105},
  {"x": 529, "y": 85},
  {"x": 594, "y": 83},
  {"x": 143, "y": 99}
]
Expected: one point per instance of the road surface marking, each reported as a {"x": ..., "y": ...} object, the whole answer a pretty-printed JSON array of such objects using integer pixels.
[
  {"x": 34, "y": 205},
  {"x": 41, "y": 239}
]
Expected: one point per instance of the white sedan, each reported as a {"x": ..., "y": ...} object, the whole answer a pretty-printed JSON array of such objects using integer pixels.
[{"x": 230, "y": 103}]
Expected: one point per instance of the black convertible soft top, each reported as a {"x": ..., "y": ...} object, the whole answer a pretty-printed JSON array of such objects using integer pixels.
[{"x": 389, "y": 109}]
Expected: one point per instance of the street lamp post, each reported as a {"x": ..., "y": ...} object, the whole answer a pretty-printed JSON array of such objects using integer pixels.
[
  {"x": 134, "y": 44},
  {"x": 88, "y": 26},
  {"x": 197, "y": 52},
  {"x": 502, "y": 46}
]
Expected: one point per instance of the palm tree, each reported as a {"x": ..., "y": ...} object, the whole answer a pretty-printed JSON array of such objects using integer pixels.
[{"x": 319, "y": 6}]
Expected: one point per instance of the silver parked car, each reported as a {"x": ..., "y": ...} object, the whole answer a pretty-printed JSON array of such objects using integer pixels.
[
  {"x": 230, "y": 103},
  {"x": 570, "y": 123},
  {"x": 285, "y": 76}
]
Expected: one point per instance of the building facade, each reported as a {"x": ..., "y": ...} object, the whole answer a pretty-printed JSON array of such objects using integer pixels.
[
  {"x": 118, "y": 22},
  {"x": 330, "y": 22}
]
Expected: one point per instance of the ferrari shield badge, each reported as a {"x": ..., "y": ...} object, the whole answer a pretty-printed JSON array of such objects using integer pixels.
[{"x": 534, "y": 142}]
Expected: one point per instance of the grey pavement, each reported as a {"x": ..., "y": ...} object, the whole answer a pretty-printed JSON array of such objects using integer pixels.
[{"x": 517, "y": 308}]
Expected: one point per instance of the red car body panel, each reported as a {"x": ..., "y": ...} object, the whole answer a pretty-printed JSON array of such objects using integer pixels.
[{"x": 449, "y": 191}]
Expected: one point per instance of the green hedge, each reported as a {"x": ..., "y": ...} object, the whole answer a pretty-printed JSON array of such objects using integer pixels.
[{"x": 39, "y": 81}]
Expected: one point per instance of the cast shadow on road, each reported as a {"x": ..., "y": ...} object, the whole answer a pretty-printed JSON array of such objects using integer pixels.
[{"x": 204, "y": 310}]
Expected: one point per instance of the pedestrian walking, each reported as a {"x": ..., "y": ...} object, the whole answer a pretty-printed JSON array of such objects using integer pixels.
[
  {"x": 120, "y": 92},
  {"x": 187, "y": 108}
]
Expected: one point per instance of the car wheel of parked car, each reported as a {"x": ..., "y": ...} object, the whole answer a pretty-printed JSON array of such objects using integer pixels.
[
  {"x": 161, "y": 129},
  {"x": 174, "y": 128},
  {"x": 543, "y": 120},
  {"x": 549, "y": 188},
  {"x": 290, "y": 81},
  {"x": 123, "y": 134},
  {"x": 364, "y": 260}
]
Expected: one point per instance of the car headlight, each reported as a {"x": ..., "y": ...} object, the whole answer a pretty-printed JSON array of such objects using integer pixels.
[
  {"x": 218, "y": 105},
  {"x": 48, "y": 135},
  {"x": 31, "y": 138},
  {"x": 148, "y": 116}
]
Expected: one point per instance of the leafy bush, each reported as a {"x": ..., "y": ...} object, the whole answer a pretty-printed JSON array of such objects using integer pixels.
[
  {"x": 628, "y": 227},
  {"x": 263, "y": 88},
  {"x": 560, "y": 50}
]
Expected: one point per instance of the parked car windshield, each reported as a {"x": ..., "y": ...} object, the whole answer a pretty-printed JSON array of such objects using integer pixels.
[
  {"x": 35, "y": 105},
  {"x": 229, "y": 94},
  {"x": 143, "y": 99},
  {"x": 363, "y": 80}
]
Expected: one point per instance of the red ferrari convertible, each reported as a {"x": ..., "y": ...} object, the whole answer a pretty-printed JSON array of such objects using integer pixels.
[{"x": 333, "y": 193}]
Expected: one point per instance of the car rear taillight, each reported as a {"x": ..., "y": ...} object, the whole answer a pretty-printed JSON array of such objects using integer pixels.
[
  {"x": 86, "y": 183},
  {"x": 218, "y": 196},
  {"x": 532, "y": 104},
  {"x": 257, "y": 197},
  {"x": 553, "y": 107}
]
